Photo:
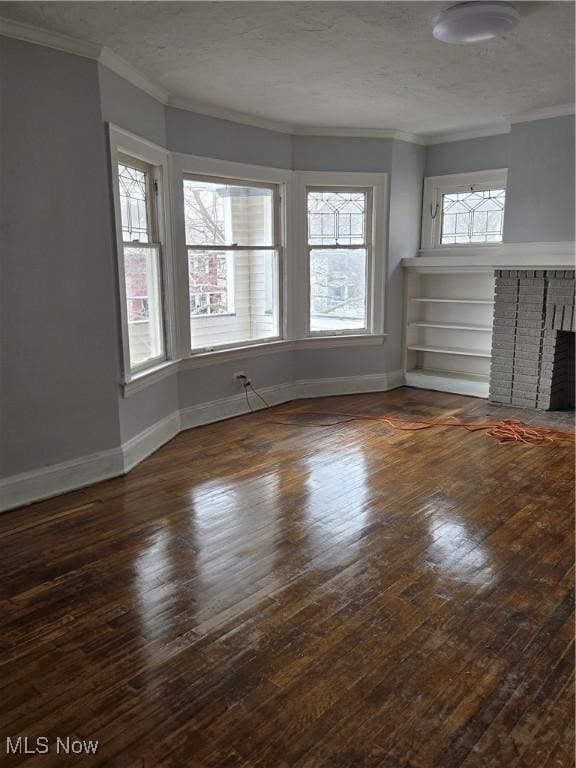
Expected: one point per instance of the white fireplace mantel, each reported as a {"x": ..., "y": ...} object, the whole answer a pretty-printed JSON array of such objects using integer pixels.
[{"x": 560, "y": 255}]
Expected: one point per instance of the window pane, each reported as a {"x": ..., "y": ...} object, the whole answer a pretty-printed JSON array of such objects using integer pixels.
[
  {"x": 225, "y": 214},
  {"x": 143, "y": 303},
  {"x": 211, "y": 282},
  {"x": 336, "y": 218},
  {"x": 133, "y": 204},
  {"x": 337, "y": 290},
  {"x": 473, "y": 217},
  {"x": 233, "y": 296}
]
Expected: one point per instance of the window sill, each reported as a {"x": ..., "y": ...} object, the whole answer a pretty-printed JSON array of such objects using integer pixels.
[
  {"x": 473, "y": 249},
  {"x": 212, "y": 316},
  {"x": 202, "y": 359},
  {"x": 343, "y": 340},
  {"x": 150, "y": 376}
]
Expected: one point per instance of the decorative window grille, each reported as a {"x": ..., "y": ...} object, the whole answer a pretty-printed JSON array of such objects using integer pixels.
[
  {"x": 134, "y": 195},
  {"x": 472, "y": 217},
  {"x": 336, "y": 218}
]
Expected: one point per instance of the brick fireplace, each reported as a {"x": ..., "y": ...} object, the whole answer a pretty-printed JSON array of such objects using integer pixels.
[{"x": 533, "y": 339}]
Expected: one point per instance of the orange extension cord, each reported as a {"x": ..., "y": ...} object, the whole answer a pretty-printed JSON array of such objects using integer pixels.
[{"x": 506, "y": 431}]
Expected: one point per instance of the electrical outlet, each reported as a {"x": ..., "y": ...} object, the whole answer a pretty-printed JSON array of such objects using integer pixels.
[{"x": 241, "y": 378}]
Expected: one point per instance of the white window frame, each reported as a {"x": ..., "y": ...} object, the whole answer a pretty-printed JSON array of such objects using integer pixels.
[
  {"x": 436, "y": 186},
  {"x": 233, "y": 247},
  {"x": 375, "y": 245},
  {"x": 223, "y": 171},
  {"x": 127, "y": 147},
  {"x": 366, "y": 246},
  {"x": 276, "y": 245}
]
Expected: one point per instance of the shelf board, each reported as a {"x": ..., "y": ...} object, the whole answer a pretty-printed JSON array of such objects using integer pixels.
[
  {"x": 479, "y": 377},
  {"x": 458, "y": 382},
  {"x": 450, "y": 350},
  {"x": 424, "y": 299},
  {"x": 450, "y": 326}
]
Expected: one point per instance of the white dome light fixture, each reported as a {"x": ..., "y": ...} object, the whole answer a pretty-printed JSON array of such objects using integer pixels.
[{"x": 475, "y": 22}]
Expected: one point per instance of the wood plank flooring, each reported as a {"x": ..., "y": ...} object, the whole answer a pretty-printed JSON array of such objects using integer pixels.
[{"x": 258, "y": 595}]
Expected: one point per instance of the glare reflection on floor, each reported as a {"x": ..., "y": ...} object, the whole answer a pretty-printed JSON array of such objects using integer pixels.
[
  {"x": 337, "y": 503},
  {"x": 454, "y": 553}
]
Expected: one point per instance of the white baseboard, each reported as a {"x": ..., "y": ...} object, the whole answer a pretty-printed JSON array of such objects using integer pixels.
[
  {"x": 69, "y": 476},
  {"x": 229, "y": 407},
  {"x": 56, "y": 479},
  {"x": 458, "y": 385},
  {"x": 348, "y": 385},
  {"x": 235, "y": 405},
  {"x": 144, "y": 443}
]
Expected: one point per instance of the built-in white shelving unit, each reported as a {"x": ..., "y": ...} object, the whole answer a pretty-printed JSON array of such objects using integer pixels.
[{"x": 448, "y": 333}]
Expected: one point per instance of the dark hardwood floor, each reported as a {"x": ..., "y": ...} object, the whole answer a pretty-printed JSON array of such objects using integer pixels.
[{"x": 258, "y": 595}]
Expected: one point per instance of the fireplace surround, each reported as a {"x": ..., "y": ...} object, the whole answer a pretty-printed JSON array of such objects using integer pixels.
[{"x": 533, "y": 339}]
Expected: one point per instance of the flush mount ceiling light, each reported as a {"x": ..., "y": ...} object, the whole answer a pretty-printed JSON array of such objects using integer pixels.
[{"x": 475, "y": 22}]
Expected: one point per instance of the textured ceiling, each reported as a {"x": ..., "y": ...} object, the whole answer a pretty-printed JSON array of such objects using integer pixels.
[{"x": 339, "y": 64}]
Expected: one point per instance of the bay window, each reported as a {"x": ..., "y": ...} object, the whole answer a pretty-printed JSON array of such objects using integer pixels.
[
  {"x": 215, "y": 256},
  {"x": 233, "y": 249}
]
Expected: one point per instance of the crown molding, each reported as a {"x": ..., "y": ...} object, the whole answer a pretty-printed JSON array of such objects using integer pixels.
[
  {"x": 233, "y": 116},
  {"x": 544, "y": 113},
  {"x": 474, "y": 133},
  {"x": 360, "y": 133},
  {"x": 125, "y": 70},
  {"x": 88, "y": 50},
  {"x": 44, "y": 37}
]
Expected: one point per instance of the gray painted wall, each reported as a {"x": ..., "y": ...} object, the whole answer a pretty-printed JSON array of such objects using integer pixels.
[
  {"x": 148, "y": 406},
  {"x": 539, "y": 156},
  {"x": 483, "y": 154},
  {"x": 540, "y": 194},
  {"x": 404, "y": 164},
  {"x": 130, "y": 108},
  {"x": 59, "y": 357},
  {"x": 134, "y": 110},
  {"x": 195, "y": 134},
  {"x": 341, "y": 362},
  {"x": 202, "y": 385},
  {"x": 333, "y": 153},
  {"x": 182, "y": 131},
  {"x": 406, "y": 183}
]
